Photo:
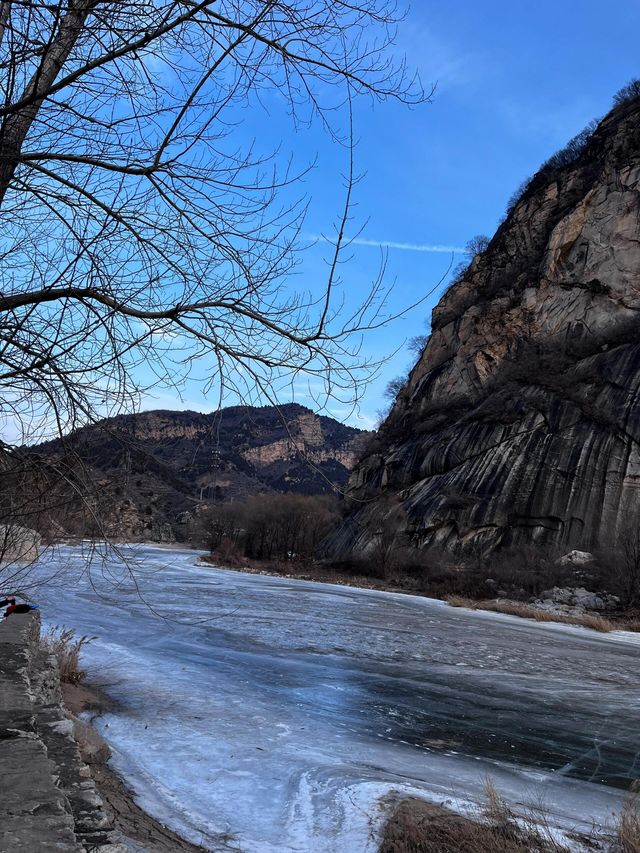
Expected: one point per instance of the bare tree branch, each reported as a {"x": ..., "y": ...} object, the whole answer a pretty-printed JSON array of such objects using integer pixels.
[{"x": 139, "y": 234}]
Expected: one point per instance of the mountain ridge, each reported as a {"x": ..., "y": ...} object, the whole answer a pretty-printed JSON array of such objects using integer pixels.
[{"x": 148, "y": 473}]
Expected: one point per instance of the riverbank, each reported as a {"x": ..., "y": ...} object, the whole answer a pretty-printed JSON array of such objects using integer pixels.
[
  {"x": 315, "y": 573},
  {"x": 419, "y": 826},
  {"x": 128, "y": 818},
  {"x": 280, "y": 712},
  {"x": 408, "y": 585}
]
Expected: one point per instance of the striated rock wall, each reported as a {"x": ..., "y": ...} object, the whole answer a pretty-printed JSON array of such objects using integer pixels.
[{"x": 520, "y": 421}]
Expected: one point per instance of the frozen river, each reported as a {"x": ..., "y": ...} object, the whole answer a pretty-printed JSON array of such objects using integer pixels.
[{"x": 262, "y": 714}]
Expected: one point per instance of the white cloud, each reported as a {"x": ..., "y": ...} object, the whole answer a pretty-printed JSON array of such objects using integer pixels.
[
  {"x": 432, "y": 248},
  {"x": 438, "y": 57}
]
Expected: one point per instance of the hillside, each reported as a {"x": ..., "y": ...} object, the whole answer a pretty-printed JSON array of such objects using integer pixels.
[
  {"x": 520, "y": 422},
  {"x": 146, "y": 475}
]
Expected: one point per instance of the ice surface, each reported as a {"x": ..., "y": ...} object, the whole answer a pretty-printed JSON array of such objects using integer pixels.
[{"x": 263, "y": 714}]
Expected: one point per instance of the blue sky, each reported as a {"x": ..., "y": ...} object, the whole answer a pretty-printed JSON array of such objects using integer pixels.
[{"x": 514, "y": 82}]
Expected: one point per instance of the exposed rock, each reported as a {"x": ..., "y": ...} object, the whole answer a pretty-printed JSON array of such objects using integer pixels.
[
  {"x": 49, "y": 801},
  {"x": 579, "y": 598},
  {"x": 520, "y": 423},
  {"x": 576, "y": 558}
]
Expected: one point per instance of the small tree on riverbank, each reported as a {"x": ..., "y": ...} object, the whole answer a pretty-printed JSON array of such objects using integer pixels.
[{"x": 271, "y": 527}]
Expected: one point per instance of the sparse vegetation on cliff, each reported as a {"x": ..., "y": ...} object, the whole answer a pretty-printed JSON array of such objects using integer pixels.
[{"x": 628, "y": 93}]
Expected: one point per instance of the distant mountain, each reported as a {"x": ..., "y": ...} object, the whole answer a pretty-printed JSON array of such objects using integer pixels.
[{"x": 148, "y": 474}]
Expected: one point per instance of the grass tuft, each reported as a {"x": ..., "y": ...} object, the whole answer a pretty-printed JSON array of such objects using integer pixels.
[
  {"x": 628, "y": 829},
  {"x": 63, "y": 644},
  {"x": 421, "y": 827},
  {"x": 494, "y": 826}
]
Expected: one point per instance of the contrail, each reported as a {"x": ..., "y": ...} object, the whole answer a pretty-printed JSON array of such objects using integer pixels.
[{"x": 392, "y": 244}]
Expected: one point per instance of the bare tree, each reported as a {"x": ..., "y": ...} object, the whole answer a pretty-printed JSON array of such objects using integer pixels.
[
  {"x": 624, "y": 563},
  {"x": 134, "y": 227}
]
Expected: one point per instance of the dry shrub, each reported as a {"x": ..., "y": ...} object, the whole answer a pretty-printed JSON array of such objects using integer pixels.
[
  {"x": 497, "y": 827},
  {"x": 529, "y": 828},
  {"x": 420, "y": 827},
  {"x": 63, "y": 643},
  {"x": 460, "y": 601},
  {"x": 597, "y": 623},
  {"x": 628, "y": 828},
  {"x": 526, "y": 611}
]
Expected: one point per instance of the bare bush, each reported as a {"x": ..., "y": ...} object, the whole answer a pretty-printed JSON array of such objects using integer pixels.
[
  {"x": 475, "y": 246},
  {"x": 628, "y": 827},
  {"x": 572, "y": 150},
  {"x": 516, "y": 197},
  {"x": 621, "y": 564},
  {"x": 417, "y": 343},
  {"x": 269, "y": 527},
  {"x": 627, "y": 94},
  {"x": 394, "y": 387},
  {"x": 387, "y": 533},
  {"x": 564, "y": 157},
  {"x": 63, "y": 644}
]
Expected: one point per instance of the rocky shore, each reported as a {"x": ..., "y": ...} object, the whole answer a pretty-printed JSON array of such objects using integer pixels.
[{"x": 59, "y": 793}]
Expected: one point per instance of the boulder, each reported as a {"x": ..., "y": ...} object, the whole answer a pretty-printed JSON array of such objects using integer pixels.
[
  {"x": 576, "y": 599},
  {"x": 576, "y": 558}
]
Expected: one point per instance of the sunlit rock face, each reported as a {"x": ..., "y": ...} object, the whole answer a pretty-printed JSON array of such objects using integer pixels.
[{"x": 520, "y": 422}]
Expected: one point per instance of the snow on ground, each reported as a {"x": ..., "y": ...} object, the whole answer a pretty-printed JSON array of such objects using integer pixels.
[{"x": 265, "y": 714}]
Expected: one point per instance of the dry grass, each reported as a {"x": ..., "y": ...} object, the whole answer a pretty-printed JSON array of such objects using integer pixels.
[
  {"x": 628, "y": 625},
  {"x": 628, "y": 828},
  {"x": 496, "y": 827},
  {"x": 526, "y": 611},
  {"x": 420, "y": 827},
  {"x": 63, "y": 643}
]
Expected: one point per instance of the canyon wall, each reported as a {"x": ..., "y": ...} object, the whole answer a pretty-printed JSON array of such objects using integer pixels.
[{"x": 520, "y": 422}]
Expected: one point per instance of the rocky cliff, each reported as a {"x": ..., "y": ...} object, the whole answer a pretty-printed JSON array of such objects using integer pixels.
[
  {"x": 520, "y": 421},
  {"x": 144, "y": 476}
]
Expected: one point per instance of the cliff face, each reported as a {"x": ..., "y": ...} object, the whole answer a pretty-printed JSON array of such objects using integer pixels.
[
  {"x": 144, "y": 476},
  {"x": 521, "y": 420}
]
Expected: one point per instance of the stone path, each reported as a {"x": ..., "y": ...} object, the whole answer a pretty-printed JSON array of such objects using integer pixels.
[{"x": 48, "y": 800}]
